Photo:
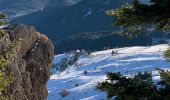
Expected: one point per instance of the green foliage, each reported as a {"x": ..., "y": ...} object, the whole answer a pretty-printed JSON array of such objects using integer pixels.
[
  {"x": 2, "y": 33},
  {"x": 5, "y": 77},
  {"x": 137, "y": 17},
  {"x": 126, "y": 17},
  {"x": 11, "y": 50},
  {"x": 3, "y": 23},
  {"x": 167, "y": 54},
  {"x": 5, "y": 80},
  {"x": 143, "y": 76},
  {"x": 165, "y": 75},
  {"x": 5, "y": 97},
  {"x": 140, "y": 87},
  {"x": 165, "y": 81},
  {"x": 3, "y": 62},
  {"x": 3, "y": 16}
]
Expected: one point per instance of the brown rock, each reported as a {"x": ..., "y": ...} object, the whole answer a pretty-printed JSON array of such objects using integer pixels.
[{"x": 30, "y": 64}]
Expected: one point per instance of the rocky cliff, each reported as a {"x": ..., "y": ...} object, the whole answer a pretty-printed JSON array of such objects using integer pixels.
[{"x": 28, "y": 56}]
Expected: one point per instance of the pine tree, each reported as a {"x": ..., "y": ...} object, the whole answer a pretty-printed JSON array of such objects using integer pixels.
[
  {"x": 139, "y": 87},
  {"x": 3, "y": 17},
  {"x": 138, "y": 17}
]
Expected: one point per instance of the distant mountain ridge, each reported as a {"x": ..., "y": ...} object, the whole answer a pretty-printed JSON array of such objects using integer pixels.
[
  {"x": 99, "y": 40},
  {"x": 84, "y": 16},
  {"x": 62, "y": 22},
  {"x": 17, "y": 8}
]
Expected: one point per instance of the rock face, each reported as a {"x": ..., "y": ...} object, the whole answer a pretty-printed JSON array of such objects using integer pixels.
[{"x": 30, "y": 56}]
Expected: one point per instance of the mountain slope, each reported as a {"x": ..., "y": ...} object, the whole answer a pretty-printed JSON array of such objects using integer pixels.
[
  {"x": 99, "y": 40},
  {"x": 128, "y": 61},
  {"x": 84, "y": 16},
  {"x": 16, "y": 8}
]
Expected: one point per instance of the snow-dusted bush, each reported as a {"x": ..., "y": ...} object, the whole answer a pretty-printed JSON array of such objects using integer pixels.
[
  {"x": 76, "y": 85},
  {"x": 63, "y": 64},
  {"x": 85, "y": 72},
  {"x": 75, "y": 56},
  {"x": 64, "y": 93},
  {"x": 167, "y": 54},
  {"x": 114, "y": 52},
  {"x": 84, "y": 53}
]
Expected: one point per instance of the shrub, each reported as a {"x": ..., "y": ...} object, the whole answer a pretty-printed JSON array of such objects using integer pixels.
[
  {"x": 63, "y": 64},
  {"x": 76, "y": 85},
  {"x": 143, "y": 76},
  {"x": 2, "y": 33},
  {"x": 6, "y": 77},
  {"x": 5, "y": 80},
  {"x": 64, "y": 93},
  {"x": 114, "y": 52},
  {"x": 84, "y": 53},
  {"x": 74, "y": 58},
  {"x": 167, "y": 54},
  {"x": 3, "y": 15},
  {"x": 85, "y": 72}
]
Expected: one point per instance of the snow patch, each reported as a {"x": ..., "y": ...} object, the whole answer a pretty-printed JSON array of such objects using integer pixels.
[{"x": 128, "y": 61}]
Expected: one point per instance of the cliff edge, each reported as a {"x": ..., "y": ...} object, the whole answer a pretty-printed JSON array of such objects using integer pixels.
[{"x": 25, "y": 58}]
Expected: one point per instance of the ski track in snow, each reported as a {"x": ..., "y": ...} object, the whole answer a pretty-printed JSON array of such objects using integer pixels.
[{"x": 128, "y": 61}]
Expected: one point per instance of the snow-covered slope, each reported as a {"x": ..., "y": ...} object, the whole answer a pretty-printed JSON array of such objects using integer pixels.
[{"x": 128, "y": 61}]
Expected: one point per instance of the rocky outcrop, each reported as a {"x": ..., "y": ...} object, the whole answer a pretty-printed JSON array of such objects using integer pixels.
[{"x": 29, "y": 55}]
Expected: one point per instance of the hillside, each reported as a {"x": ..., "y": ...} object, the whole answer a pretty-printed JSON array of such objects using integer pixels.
[
  {"x": 71, "y": 25},
  {"x": 128, "y": 61},
  {"x": 85, "y": 16},
  {"x": 99, "y": 40},
  {"x": 17, "y": 8}
]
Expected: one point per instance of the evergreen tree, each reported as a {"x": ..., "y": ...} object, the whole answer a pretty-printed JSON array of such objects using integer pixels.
[
  {"x": 3, "y": 17},
  {"x": 135, "y": 18},
  {"x": 138, "y": 17},
  {"x": 139, "y": 87}
]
